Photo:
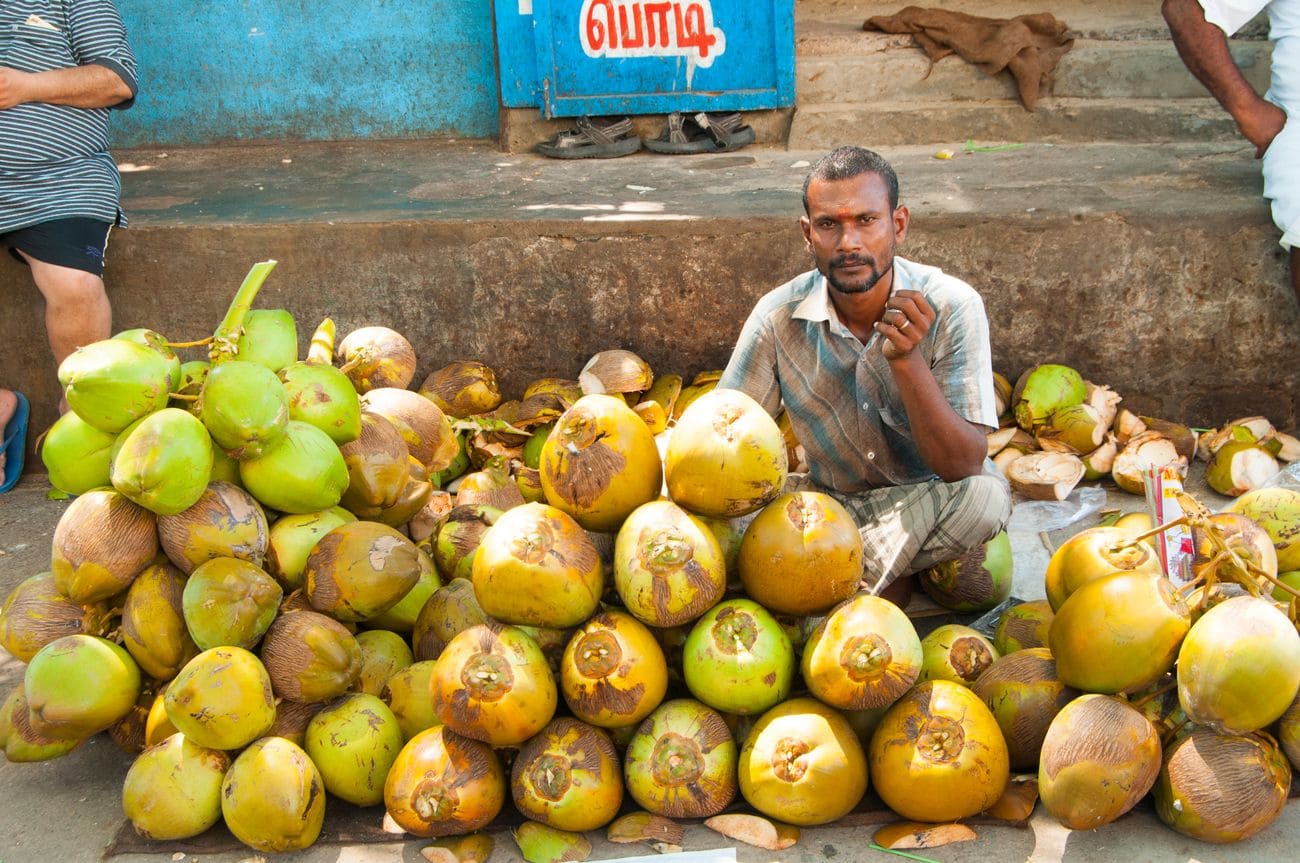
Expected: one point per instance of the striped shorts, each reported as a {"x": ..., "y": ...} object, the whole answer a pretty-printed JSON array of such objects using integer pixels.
[{"x": 908, "y": 528}]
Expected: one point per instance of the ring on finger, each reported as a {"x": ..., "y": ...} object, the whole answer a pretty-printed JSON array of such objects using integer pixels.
[{"x": 904, "y": 325}]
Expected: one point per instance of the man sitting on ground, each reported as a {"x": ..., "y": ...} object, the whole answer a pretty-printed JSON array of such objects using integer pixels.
[{"x": 885, "y": 369}]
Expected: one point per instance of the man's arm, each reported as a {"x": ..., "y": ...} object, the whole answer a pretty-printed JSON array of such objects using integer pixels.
[
  {"x": 952, "y": 446},
  {"x": 1204, "y": 49},
  {"x": 90, "y": 86}
]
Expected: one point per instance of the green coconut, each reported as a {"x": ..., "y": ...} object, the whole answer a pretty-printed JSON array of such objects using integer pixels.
[
  {"x": 302, "y": 472},
  {"x": 269, "y": 338},
  {"x": 459, "y": 537},
  {"x": 354, "y": 742},
  {"x": 245, "y": 408},
  {"x": 407, "y": 694},
  {"x": 323, "y": 396},
  {"x": 977, "y": 581},
  {"x": 173, "y": 789},
  {"x": 79, "y": 685},
  {"x": 292, "y": 538},
  {"x": 112, "y": 383},
  {"x": 229, "y": 602},
  {"x": 360, "y": 569},
  {"x": 1239, "y": 667},
  {"x": 459, "y": 463},
  {"x": 163, "y": 462},
  {"x": 36, "y": 613},
  {"x": 383, "y": 654},
  {"x": 955, "y": 653},
  {"x": 1044, "y": 389},
  {"x": 1238, "y": 467},
  {"x": 450, "y": 609},
  {"x": 224, "y": 468},
  {"x": 153, "y": 622},
  {"x": 1222, "y": 787},
  {"x": 101, "y": 542},
  {"x": 1024, "y": 693},
  {"x": 1077, "y": 429},
  {"x": 76, "y": 454},
  {"x": 19, "y": 742},
  {"x": 225, "y": 522},
  {"x": 222, "y": 699},
  {"x": 193, "y": 374},
  {"x": 1023, "y": 626},
  {"x": 158, "y": 344},
  {"x": 738, "y": 659},
  {"x": 1120, "y": 633},
  {"x": 272, "y": 798}
]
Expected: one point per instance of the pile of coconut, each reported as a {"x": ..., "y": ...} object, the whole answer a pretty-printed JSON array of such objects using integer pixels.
[
  {"x": 286, "y": 582},
  {"x": 1057, "y": 429}
]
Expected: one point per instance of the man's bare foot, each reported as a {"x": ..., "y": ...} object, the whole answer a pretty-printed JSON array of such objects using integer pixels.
[{"x": 8, "y": 404}]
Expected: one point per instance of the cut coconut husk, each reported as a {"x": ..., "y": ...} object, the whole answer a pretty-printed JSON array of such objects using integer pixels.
[
  {"x": 1023, "y": 442},
  {"x": 1045, "y": 475},
  {"x": 474, "y": 848},
  {"x": 1074, "y": 429},
  {"x": 616, "y": 371},
  {"x": 1284, "y": 447},
  {"x": 998, "y": 440},
  {"x": 1184, "y": 439},
  {"x": 1002, "y": 396},
  {"x": 653, "y": 415},
  {"x": 916, "y": 834},
  {"x": 1238, "y": 467},
  {"x": 645, "y": 826},
  {"x": 1017, "y": 802},
  {"x": 755, "y": 830},
  {"x": 1006, "y": 458},
  {"x": 1101, "y": 461},
  {"x": 1104, "y": 399},
  {"x": 1127, "y": 425},
  {"x": 1144, "y": 452}
]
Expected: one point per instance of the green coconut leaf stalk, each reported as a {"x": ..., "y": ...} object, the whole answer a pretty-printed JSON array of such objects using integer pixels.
[
  {"x": 225, "y": 341},
  {"x": 322, "y": 343}
]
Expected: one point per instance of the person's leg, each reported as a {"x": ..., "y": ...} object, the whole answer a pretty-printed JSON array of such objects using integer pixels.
[
  {"x": 77, "y": 311},
  {"x": 909, "y": 528}
]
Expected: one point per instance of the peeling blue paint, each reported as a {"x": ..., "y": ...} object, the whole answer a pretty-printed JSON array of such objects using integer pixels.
[{"x": 325, "y": 70}]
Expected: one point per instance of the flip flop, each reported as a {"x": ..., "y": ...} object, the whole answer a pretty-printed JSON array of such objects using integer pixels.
[
  {"x": 15, "y": 443},
  {"x": 701, "y": 133},
  {"x": 593, "y": 139}
]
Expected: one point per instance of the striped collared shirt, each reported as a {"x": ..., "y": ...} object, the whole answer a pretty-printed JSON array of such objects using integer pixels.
[
  {"x": 844, "y": 405},
  {"x": 54, "y": 161}
]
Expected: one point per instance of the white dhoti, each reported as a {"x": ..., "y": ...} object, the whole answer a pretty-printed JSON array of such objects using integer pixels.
[{"x": 1282, "y": 181}]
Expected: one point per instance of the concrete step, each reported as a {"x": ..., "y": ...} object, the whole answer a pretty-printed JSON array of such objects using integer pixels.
[
  {"x": 1054, "y": 120},
  {"x": 1084, "y": 254},
  {"x": 1121, "y": 81},
  {"x": 880, "y": 69}
]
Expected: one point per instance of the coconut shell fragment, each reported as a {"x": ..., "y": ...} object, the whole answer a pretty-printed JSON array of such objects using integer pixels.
[
  {"x": 915, "y": 834},
  {"x": 755, "y": 830},
  {"x": 1046, "y": 475}
]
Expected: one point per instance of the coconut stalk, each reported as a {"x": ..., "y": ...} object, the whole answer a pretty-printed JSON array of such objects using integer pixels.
[
  {"x": 225, "y": 341},
  {"x": 321, "y": 350}
]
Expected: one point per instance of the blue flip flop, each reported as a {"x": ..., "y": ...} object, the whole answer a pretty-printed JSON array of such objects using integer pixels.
[{"x": 14, "y": 445}]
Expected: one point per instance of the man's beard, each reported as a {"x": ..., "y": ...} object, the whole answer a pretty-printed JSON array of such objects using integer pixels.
[{"x": 874, "y": 276}]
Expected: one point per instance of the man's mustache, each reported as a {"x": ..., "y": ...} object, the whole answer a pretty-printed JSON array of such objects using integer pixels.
[{"x": 852, "y": 261}]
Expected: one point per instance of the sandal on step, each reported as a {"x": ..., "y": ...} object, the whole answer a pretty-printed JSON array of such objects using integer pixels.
[
  {"x": 701, "y": 133},
  {"x": 593, "y": 138}
]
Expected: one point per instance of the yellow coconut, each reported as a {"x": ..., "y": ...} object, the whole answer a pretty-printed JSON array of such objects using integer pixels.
[
  {"x": 1091, "y": 554},
  {"x": 360, "y": 569},
  {"x": 668, "y": 565},
  {"x": 1277, "y": 510},
  {"x": 568, "y": 777},
  {"x": 272, "y": 798},
  {"x": 537, "y": 566},
  {"x": 801, "y": 554},
  {"x": 802, "y": 764},
  {"x": 864, "y": 654},
  {"x": 310, "y": 657},
  {"x": 222, "y": 699},
  {"x": 613, "y": 672},
  {"x": 1099, "y": 758},
  {"x": 938, "y": 754},
  {"x": 153, "y": 622},
  {"x": 173, "y": 790},
  {"x": 726, "y": 456},
  {"x": 600, "y": 462},
  {"x": 444, "y": 784},
  {"x": 225, "y": 522}
]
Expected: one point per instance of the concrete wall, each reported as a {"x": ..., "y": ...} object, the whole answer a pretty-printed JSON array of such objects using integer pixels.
[{"x": 330, "y": 69}]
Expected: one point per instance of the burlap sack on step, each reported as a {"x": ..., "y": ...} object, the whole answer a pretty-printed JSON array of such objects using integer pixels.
[{"x": 1028, "y": 45}]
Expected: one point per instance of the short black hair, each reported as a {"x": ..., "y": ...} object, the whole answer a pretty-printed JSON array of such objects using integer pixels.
[{"x": 843, "y": 163}]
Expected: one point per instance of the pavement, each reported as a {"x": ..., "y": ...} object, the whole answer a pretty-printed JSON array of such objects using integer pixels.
[{"x": 69, "y": 809}]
